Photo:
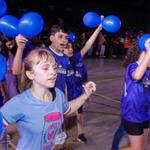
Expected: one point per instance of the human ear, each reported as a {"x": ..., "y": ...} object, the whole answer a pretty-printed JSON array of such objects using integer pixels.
[
  {"x": 30, "y": 75},
  {"x": 51, "y": 37}
]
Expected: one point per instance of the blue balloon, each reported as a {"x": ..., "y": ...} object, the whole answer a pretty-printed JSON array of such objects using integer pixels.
[
  {"x": 3, "y": 8},
  {"x": 31, "y": 24},
  {"x": 1, "y": 125},
  {"x": 2, "y": 1},
  {"x": 91, "y": 19},
  {"x": 111, "y": 23},
  {"x": 3, "y": 67},
  {"x": 142, "y": 40},
  {"x": 71, "y": 37},
  {"x": 9, "y": 26}
]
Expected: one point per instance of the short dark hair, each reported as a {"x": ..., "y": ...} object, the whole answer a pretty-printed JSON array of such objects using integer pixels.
[{"x": 57, "y": 27}]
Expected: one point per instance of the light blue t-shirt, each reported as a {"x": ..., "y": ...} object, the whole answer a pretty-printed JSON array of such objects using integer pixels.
[{"x": 38, "y": 122}]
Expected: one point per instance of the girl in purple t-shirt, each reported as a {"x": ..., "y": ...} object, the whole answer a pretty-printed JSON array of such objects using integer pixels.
[
  {"x": 9, "y": 50},
  {"x": 136, "y": 99}
]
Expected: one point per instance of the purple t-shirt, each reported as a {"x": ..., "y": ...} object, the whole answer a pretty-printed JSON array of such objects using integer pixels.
[
  {"x": 11, "y": 79},
  {"x": 136, "y": 97}
]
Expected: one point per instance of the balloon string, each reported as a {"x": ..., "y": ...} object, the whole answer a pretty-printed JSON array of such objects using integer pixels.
[{"x": 106, "y": 97}]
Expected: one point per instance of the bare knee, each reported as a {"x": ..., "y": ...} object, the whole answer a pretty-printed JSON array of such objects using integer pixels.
[{"x": 136, "y": 147}]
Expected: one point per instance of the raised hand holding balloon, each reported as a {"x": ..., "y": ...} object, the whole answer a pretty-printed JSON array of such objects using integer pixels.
[
  {"x": 109, "y": 23},
  {"x": 142, "y": 41},
  {"x": 30, "y": 24}
]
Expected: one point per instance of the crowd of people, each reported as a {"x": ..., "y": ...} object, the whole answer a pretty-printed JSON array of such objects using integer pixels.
[{"x": 46, "y": 80}]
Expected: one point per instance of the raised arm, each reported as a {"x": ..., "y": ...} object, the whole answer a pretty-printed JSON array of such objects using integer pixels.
[
  {"x": 144, "y": 62},
  {"x": 92, "y": 39},
  {"x": 17, "y": 64}
]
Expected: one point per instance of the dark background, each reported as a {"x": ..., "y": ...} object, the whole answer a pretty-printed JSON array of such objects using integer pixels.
[{"x": 133, "y": 13}]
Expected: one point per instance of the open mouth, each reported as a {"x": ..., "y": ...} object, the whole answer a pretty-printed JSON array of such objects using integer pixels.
[{"x": 63, "y": 45}]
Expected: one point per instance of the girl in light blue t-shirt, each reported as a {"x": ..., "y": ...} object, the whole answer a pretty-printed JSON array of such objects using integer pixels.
[{"x": 39, "y": 110}]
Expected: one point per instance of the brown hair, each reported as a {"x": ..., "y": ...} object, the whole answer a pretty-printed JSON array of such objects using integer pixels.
[
  {"x": 57, "y": 27},
  {"x": 133, "y": 54},
  {"x": 34, "y": 57}
]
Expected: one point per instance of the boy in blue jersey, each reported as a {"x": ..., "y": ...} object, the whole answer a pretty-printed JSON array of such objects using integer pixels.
[
  {"x": 136, "y": 100},
  {"x": 59, "y": 39},
  {"x": 39, "y": 110},
  {"x": 79, "y": 77}
]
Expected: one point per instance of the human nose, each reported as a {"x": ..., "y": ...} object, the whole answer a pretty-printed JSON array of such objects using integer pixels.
[
  {"x": 54, "y": 71},
  {"x": 65, "y": 39}
]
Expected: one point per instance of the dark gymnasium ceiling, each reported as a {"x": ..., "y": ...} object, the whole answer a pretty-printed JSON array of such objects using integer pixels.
[{"x": 131, "y": 12}]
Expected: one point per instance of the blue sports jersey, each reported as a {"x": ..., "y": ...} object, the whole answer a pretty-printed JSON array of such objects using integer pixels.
[
  {"x": 136, "y": 97},
  {"x": 80, "y": 68},
  {"x": 76, "y": 79},
  {"x": 63, "y": 64},
  {"x": 38, "y": 122}
]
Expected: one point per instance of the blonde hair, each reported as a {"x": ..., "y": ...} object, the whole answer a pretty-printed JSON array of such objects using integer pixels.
[{"x": 34, "y": 57}]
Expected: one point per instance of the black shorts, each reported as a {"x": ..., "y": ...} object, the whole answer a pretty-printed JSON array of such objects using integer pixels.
[
  {"x": 134, "y": 128},
  {"x": 80, "y": 110}
]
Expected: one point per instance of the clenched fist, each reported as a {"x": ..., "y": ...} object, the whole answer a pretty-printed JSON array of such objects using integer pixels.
[{"x": 89, "y": 88}]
